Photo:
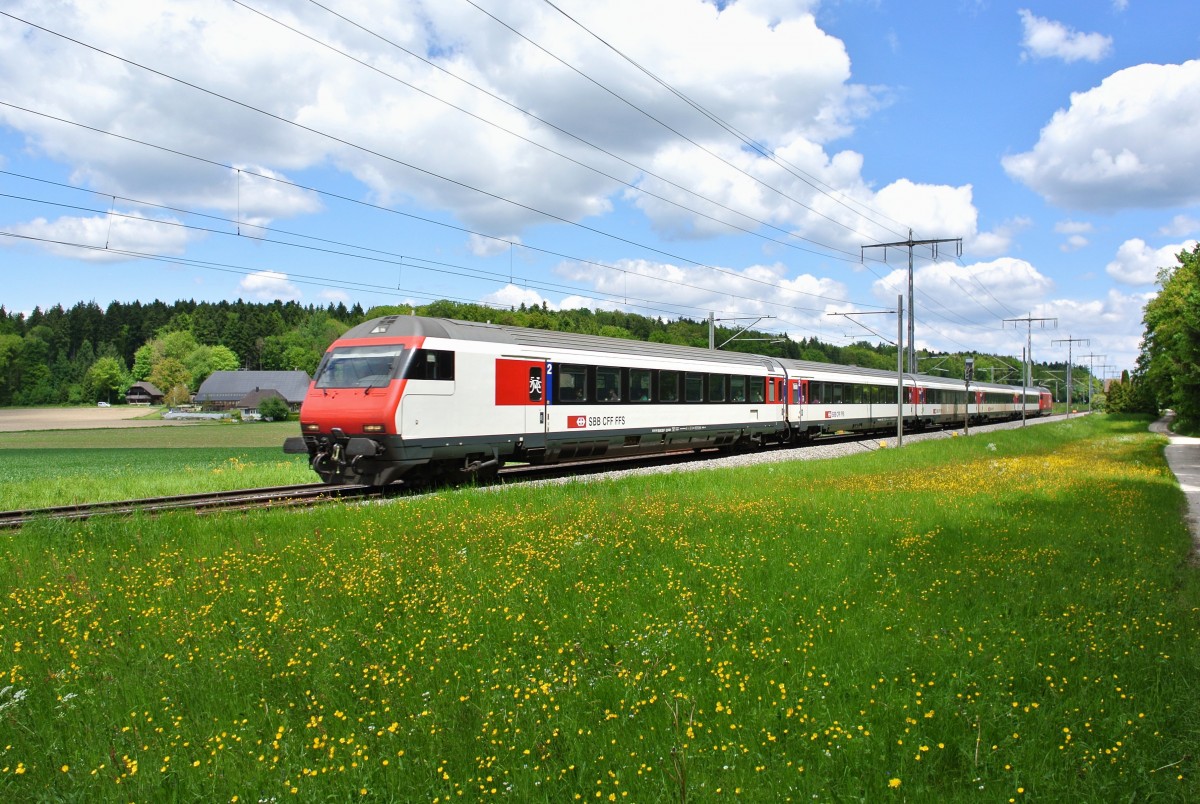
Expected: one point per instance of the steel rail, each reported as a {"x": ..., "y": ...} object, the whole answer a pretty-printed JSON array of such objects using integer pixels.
[{"x": 238, "y": 499}]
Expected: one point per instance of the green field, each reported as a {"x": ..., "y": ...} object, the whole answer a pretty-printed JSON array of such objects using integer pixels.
[
  {"x": 40, "y": 469},
  {"x": 1010, "y": 616}
]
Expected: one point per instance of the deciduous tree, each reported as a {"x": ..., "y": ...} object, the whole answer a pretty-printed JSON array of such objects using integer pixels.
[{"x": 1169, "y": 363}]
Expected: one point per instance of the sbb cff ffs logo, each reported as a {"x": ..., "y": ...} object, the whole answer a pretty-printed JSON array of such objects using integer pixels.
[{"x": 576, "y": 422}]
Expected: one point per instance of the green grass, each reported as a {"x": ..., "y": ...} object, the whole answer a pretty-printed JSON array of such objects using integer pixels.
[
  {"x": 65, "y": 467},
  {"x": 1007, "y": 616}
]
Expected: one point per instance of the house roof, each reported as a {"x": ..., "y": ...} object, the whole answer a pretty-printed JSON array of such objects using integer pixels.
[
  {"x": 147, "y": 388},
  {"x": 232, "y": 386},
  {"x": 253, "y": 399}
]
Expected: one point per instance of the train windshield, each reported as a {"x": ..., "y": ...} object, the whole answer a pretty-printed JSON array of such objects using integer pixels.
[{"x": 360, "y": 366}]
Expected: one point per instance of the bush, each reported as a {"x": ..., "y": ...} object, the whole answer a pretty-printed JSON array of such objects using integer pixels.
[{"x": 273, "y": 409}]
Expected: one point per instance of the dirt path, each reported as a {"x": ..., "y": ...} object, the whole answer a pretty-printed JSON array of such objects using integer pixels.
[{"x": 13, "y": 420}]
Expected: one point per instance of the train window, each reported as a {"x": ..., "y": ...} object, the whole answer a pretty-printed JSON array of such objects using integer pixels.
[
  {"x": 737, "y": 389},
  {"x": 836, "y": 395},
  {"x": 359, "y": 366},
  {"x": 757, "y": 388},
  {"x": 639, "y": 385},
  {"x": 572, "y": 383},
  {"x": 608, "y": 384},
  {"x": 668, "y": 386},
  {"x": 716, "y": 387},
  {"x": 430, "y": 364},
  {"x": 693, "y": 386}
]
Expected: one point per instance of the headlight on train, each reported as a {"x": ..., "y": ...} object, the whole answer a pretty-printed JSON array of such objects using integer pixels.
[
  {"x": 372, "y": 428},
  {"x": 309, "y": 427}
]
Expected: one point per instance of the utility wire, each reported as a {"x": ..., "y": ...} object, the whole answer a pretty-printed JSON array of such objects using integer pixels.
[
  {"x": 408, "y": 215},
  {"x": 387, "y": 258},
  {"x": 706, "y": 113},
  {"x": 664, "y": 125},
  {"x": 393, "y": 160},
  {"x": 802, "y": 175},
  {"x": 848, "y": 256},
  {"x": 349, "y": 144}
]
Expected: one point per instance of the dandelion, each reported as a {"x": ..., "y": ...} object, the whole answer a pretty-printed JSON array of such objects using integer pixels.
[{"x": 893, "y": 783}]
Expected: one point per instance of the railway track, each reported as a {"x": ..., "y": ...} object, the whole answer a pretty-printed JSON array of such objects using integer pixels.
[
  {"x": 318, "y": 493},
  {"x": 239, "y": 500},
  {"x": 306, "y": 494}
]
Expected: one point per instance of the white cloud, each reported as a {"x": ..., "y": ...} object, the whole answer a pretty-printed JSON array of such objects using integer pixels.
[
  {"x": 1137, "y": 263},
  {"x": 1075, "y": 231},
  {"x": 721, "y": 58},
  {"x": 1073, "y": 227},
  {"x": 513, "y": 296},
  {"x": 269, "y": 286},
  {"x": 1180, "y": 226},
  {"x": 999, "y": 240},
  {"x": 1110, "y": 324},
  {"x": 1044, "y": 39},
  {"x": 1129, "y": 143},
  {"x": 659, "y": 288},
  {"x": 104, "y": 237},
  {"x": 976, "y": 293},
  {"x": 491, "y": 246}
]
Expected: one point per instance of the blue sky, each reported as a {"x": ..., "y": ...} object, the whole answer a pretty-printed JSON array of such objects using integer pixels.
[{"x": 669, "y": 158}]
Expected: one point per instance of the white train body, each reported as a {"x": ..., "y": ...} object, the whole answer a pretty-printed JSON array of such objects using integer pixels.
[{"x": 421, "y": 398}]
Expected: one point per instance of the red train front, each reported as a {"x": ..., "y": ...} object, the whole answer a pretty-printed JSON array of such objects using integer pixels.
[{"x": 349, "y": 418}]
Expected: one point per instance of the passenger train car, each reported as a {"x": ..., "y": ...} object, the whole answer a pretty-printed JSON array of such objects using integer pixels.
[{"x": 423, "y": 398}]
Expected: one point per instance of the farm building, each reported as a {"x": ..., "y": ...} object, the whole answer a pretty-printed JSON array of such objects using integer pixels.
[
  {"x": 248, "y": 405},
  {"x": 225, "y": 390},
  {"x": 143, "y": 393}
]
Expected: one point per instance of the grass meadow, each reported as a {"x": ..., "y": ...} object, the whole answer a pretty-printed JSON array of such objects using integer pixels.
[
  {"x": 1007, "y": 617},
  {"x": 44, "y": 468}
]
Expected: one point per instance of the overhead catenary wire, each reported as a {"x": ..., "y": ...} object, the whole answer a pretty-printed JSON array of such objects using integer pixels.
[
  {"x": 846, "y": 256},
  {"x": 699, "y": 264},
  {"x": 388, "y": 258},
  {"x": 746, "y": 140},
  {"x": 239, "y": 224},
  {"x": 759, "y": 148},
  {"x": 661, "y": 123},
  {"x": 394, "y": 160}
]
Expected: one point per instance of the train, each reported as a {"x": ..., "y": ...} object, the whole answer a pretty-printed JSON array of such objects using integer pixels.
[{"x": 425, "y": 400}]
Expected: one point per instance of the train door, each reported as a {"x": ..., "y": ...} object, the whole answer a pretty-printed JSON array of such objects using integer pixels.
[
  {"x": 797, "y": 397},
  {"x": 522, "y": 391},
  {"x": 776, "y": 393},
  {"x": 776, "y": 397}
]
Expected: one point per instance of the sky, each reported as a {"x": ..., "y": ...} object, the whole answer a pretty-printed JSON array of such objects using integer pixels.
[{"x": 745, "y": 158}]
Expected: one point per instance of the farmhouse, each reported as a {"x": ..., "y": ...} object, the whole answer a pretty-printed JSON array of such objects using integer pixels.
[
  {"x": 248, "y": 405},
  {"x": 229, "y": 390},
  {"x": 143, "y": 393}
]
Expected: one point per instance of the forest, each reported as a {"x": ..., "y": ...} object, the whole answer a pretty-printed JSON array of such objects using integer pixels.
[{"x": 87, "y": 354}]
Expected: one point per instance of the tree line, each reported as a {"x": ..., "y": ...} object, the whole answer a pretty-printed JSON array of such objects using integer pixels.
[
  {"x": 1168, "y": 367},
  {"x": 84, "y": 354}
]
